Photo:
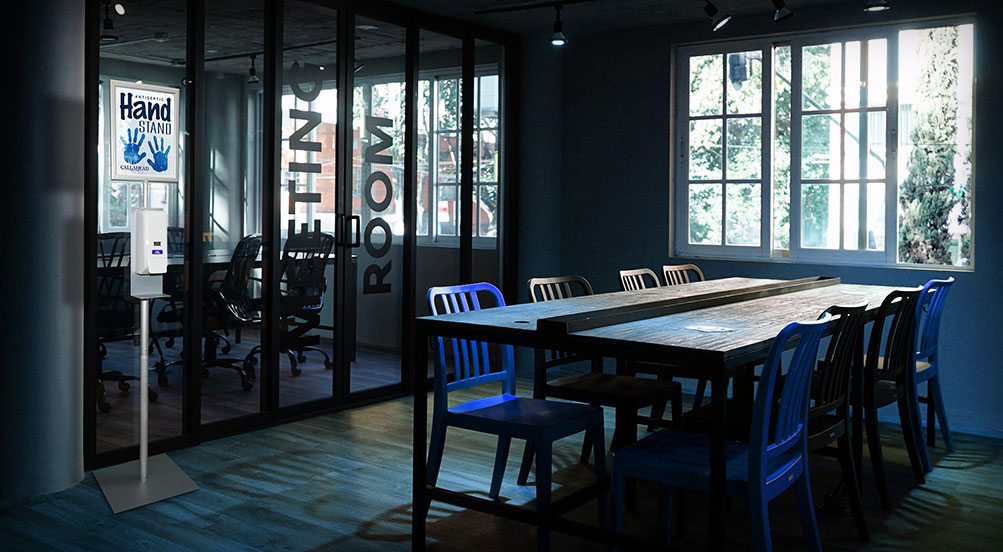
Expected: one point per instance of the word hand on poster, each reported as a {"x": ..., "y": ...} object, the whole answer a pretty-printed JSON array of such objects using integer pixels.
[{"x": 144, "y": 114}]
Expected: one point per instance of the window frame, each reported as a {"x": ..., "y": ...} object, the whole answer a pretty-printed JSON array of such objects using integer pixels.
[
  {"x": 680, "y": 181},
  {"x": 432, "y": 237}
]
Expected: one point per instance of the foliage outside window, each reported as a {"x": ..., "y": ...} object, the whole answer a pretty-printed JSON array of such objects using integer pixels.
[
  {"x": 439, "y": 179},
  {"x": 803, "y": 148}
]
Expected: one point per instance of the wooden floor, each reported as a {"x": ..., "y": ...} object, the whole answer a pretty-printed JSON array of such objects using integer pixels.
[
  {"x": 343, "y": 482},
  {"x": 222, "y": 396}
]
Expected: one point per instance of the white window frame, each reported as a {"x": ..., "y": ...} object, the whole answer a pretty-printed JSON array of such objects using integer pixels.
[{"x": 680, "y": 181}]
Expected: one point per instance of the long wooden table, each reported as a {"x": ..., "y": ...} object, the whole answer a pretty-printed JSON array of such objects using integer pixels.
[{"x": 710, "y": 329}]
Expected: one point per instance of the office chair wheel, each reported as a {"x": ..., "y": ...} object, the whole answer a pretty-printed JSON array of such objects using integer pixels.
[
  {"x": 123, "y": 388},
  {"x": 104, "y": 407},
  {"x": 301, "y": 357},
  {"x": 246, "y": 385},
  {"x": 152, "y": 395},
  {"x": 328, "y": 365},
  {"x": 249, "y": 370},
  {"x": 162, "y": 380},
  {"x": 226, "y": 348}
]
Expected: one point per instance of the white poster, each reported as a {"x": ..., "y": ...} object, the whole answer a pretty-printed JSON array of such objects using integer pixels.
[{"x": 144, "y": 125}]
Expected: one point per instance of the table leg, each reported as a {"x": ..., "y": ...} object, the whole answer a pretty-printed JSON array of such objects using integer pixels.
[
  {"x": 719, "y": 407},
  {"x": 419, "y": 495}
]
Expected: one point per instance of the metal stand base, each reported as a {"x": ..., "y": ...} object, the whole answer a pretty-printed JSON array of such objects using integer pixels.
[{"x": 124, "y": 490}]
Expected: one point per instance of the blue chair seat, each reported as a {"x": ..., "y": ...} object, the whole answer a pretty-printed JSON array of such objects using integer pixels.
[
  {"x": 523, "y": 417},
  {"x": 680, "y": 459}
]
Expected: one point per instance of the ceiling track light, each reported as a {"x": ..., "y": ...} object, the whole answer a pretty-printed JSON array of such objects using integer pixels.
[
  {"x": 252, "y": 75},
  {"x": 717, "y": 19},
  {"x": 108, "y": 26},
  {"x": 877, "y": 5},
  {"x": 558, "y": 39},
  {"x": 783, "y": 13}
]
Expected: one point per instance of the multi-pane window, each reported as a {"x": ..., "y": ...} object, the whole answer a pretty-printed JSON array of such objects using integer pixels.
[
  {"x": 863, "y": 154},
  {"x": 725, "y": 148},
  {"x": 439, "y": 218}
]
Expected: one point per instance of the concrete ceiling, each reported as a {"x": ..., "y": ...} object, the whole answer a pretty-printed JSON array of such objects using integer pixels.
[
  {"x": 600, "y": 16},
  {"x": 153, "y": 31}
]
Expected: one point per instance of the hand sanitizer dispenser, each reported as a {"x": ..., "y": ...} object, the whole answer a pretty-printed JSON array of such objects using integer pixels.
[{"x": 149, "y": 241}]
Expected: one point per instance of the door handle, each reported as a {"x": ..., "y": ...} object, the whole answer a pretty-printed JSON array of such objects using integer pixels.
[{"x": 357, "y": 220}]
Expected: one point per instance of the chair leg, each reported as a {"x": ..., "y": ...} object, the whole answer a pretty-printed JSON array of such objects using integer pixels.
[
  {"x": 543, "y": 476},
  {"x": 877, "y": 459},
  {"x": 658, "y": 410},
  {"x": 586, "y": 447},
  {"x": 701, "y": 389},
  {"x": 599, "y": 450},
  {"x": 912, "y": 433},
  {"x": 759, "y": 521},
  {"x": 852, "y": 486},
  {"x": 931, "y": 417},
  {"x": 802, "y": 487},
  {"x": 501, "y": 458},
  {"x": 435, "y": 447},
  {"x": 527, "y": 463},
  {"x": 617, "y": 486},
  {"x": 937, "y": 398},
  {"x": 677, "y": 409},
  {"x": 919, "y": 444},
  {"x": 665, "y": 493}
]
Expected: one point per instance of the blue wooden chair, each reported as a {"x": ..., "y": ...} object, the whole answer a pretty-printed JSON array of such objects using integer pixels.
[
  {"x": 928, "y": 311},
  {"x": 539, "y": 422},
  {"x": 772, "y": 462}
]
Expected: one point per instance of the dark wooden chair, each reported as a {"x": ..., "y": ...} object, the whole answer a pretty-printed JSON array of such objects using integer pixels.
[
  {"x": 637, "y": 279},
  {"x": 889, "y": 368},
  {"x": 642, "y": 278},
  {"x": 624, "y": 393},
  {"x": 829, "y": 411},
  {"x": 680, "y": 274}
]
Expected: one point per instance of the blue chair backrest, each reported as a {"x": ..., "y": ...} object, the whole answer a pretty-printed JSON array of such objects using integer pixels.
[
  {"x": 792, "y": 410},
  {"x": 932, "y": 302},
  {"x": 471, "y": 361}
]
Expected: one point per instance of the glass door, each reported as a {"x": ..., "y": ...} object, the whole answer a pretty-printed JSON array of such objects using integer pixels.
[
  {"x": 377, "y": 204},
  {"x": 307, "y": 219}
]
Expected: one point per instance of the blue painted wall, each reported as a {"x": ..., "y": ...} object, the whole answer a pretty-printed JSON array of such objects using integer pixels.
[{"x": 614, "y": 210}]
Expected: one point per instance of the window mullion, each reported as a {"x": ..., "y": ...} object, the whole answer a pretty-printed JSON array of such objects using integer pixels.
[
  {"x": 892, "y": 145},
  {"x": 863, "y": 149},
  {"x": 766, "y": 154},
  {"x": 724, "y": 149},
  {"x": 796, "y": 131}
]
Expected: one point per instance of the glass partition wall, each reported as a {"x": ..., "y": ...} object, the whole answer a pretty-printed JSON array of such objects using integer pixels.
[{"x": 299, "y": 249}]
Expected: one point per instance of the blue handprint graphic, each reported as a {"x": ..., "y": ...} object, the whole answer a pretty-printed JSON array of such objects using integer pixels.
[
  {"x": 159, "y": 161},
  {"x": 132, "y": 154}
]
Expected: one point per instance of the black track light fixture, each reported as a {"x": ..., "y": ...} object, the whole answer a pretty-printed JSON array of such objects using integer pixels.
[
  {"x": 877, "y": 5},
  {"x": 717, "y": 19},
  {"x": 558, "y": 39},
  {"x": 252, "y": 75},
  {"x": 783, "y": 13},
  {"x": 108, "y": 26}
]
